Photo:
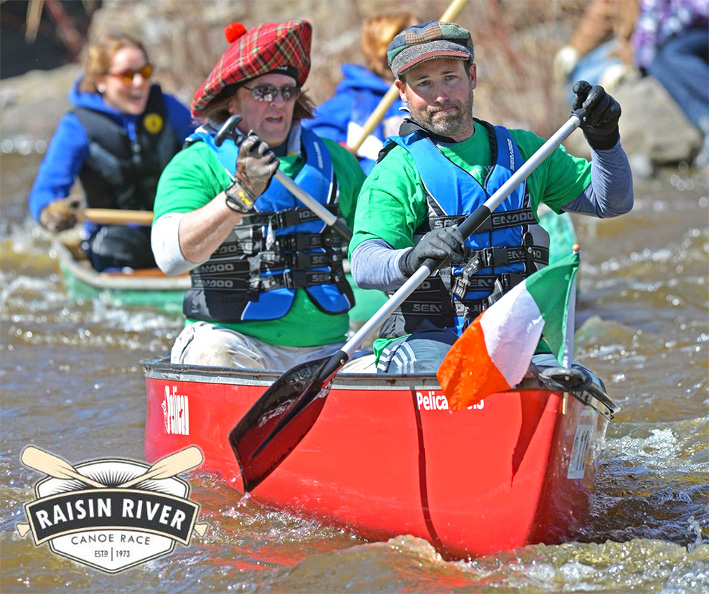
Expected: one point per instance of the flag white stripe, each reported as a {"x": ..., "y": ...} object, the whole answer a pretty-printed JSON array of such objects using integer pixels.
[{"x": 512, "y": 328}]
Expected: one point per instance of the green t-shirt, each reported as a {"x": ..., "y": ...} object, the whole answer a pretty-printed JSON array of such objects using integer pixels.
[
  {"x": 195, "y": 176},
  {"x": 392, "y": 204}
]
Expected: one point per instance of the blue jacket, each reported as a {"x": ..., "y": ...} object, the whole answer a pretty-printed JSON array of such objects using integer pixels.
[
  {"x": 69, "y": 147},
  {"x": 341, "y": 118}
]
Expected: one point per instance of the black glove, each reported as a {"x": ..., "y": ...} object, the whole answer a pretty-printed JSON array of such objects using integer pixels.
[
  {"x": 440, "y": 244},
  {"x": 601, "y": 125},
  {"x": 256, "y": 164}
]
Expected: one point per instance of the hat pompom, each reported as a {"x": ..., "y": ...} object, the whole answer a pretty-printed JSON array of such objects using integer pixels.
[{"x": 234, "y": 31}]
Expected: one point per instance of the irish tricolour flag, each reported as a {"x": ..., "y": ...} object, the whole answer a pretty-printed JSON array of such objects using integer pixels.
[{"x": 495, "y": 351}]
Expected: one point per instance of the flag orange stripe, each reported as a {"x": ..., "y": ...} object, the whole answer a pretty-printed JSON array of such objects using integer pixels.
[{"x": 462, "y": 383}]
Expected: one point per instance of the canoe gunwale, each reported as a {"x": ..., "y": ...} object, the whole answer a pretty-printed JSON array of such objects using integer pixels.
[
  {"x": 104, "y": 281},
  {"x": 162, "y": 369}
]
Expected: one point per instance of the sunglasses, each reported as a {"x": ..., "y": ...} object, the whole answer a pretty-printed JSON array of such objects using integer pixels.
[
  {"x": 268, "y": 93},
  {"x": 127, "y": 76}
]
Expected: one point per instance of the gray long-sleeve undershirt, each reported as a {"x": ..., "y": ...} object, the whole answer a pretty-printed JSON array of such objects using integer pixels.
[{"x": 375, "y": 264}]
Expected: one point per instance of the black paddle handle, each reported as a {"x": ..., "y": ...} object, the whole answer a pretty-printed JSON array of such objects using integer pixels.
[{"x": 229, "y": 130}]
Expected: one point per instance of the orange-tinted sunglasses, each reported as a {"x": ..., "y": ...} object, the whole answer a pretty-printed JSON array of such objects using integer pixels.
[{"x": 127, "y": 76}]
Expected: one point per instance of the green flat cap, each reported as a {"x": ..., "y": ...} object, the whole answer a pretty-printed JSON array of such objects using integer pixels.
[{"x": 429, "y": 41}]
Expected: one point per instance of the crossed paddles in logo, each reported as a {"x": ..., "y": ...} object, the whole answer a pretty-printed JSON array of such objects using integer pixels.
[{"x": 113, "y": 513}]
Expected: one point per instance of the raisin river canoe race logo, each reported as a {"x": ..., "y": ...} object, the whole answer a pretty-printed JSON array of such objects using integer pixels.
[{"x": 111, "y": 514}]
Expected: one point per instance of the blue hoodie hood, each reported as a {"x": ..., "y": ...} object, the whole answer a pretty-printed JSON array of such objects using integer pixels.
[{"x": 358, "y": 78}]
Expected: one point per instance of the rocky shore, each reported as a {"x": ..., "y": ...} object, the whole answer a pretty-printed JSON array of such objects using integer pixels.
[{"x": 515, "y": 44}]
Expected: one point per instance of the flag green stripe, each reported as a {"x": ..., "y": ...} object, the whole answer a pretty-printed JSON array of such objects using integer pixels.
[{"x": 550, "y": 288}]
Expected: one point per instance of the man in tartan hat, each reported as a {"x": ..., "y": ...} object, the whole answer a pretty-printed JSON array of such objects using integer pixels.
[
  {"x": 444, "y": 164},
  {"x": 268, "y": 288}
]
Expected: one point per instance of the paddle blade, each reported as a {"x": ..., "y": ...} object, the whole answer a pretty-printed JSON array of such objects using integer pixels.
[{"x": 279, "y": 419}]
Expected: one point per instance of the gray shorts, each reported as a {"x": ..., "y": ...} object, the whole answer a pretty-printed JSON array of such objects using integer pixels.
[{"x": 206, "y": 344}]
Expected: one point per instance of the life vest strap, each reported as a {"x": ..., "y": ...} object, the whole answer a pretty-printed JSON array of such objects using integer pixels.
[
  {"x": 498, "y": 220},
  {"x": 479, "y": 282},
  {"x": 285, "y": 218},
  {"x": 297, "y": 260},
  {"x": 299, "y": 279}
]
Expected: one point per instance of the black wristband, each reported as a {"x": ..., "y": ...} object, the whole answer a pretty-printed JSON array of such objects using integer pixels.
[
  {"x": 238, "y": 199},
  {"x": 602, "y": 143}
]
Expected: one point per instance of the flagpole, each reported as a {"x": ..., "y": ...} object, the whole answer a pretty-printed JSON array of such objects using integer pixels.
[{"x": 568, "y": 358}]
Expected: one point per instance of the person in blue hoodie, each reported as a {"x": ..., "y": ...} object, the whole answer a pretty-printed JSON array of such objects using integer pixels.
[
  {"x": 120, "y": 134},
  {"x": 342, "y": 117}
]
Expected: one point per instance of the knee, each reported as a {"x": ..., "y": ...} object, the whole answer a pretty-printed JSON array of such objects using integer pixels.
[{"x": 200, "y": 344}]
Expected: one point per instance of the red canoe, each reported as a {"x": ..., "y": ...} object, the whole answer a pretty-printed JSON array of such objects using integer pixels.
[{"x": 386, "y": 457}]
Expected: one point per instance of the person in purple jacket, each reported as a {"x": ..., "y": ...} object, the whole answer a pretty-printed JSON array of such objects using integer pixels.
[
  {"x": 118, "y": 137},
  {"x": 671, "y": 43},
  {"x": 342, "y": 117}
]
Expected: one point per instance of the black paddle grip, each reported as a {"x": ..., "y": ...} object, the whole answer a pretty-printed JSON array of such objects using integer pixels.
[{"x": 229, "y": 130}]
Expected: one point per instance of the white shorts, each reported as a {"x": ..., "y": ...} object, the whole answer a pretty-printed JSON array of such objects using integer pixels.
[{"x": 205, "y": 344}]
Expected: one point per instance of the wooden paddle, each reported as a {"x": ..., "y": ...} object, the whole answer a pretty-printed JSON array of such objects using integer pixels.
[
  {"x": 451, "y": 12},
  {"x": 229, "y": 130},
  {"x": 284, "y": 414},
  {"x": 168, "y": 466},
  {"x": 55, "y": 466},
  {"x": 114, "y": 216}
]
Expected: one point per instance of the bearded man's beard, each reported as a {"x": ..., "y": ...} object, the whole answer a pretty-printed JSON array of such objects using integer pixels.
[{"x": 449, "y": 123}]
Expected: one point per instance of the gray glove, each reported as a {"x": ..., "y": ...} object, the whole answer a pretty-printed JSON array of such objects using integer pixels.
[
  {"x": 256, "y": 164},
  {"x": 59, "y": 215},
  {"x": 601, "y": 125},
  {"x": 439, "y": 244}
]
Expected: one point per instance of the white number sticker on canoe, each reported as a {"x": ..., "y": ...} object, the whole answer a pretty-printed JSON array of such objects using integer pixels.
[{"x": 582, "y": 443}]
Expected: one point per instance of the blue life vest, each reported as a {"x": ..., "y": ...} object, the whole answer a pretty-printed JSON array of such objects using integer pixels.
[
  {"x": 509, "y": 247},
  {"x": 271, "y": 252}
]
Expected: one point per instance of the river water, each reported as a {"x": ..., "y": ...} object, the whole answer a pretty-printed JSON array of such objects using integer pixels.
[{"x": 71, "y": 383}]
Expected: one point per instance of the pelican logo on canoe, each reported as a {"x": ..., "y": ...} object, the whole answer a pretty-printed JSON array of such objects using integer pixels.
[
  {"x": 176, "y": 412},
  {"x": 436, "y": 400},
  {"x": 111, "y": 514}
]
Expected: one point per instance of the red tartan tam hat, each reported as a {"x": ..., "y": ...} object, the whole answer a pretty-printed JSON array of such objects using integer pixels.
[{"x": 258, "y": 51}]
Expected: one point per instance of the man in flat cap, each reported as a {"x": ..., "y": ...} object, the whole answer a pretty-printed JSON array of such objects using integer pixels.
[
  {"x": 439, "y": 169},
  {"x": 268, "y": 287}
]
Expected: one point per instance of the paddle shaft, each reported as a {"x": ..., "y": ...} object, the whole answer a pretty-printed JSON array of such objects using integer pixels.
[
  {"x": 373, "y": 120},
  {"x": 229, "y": 130},
  {"x": 330, "y": 219},
  {"x": 113, "y": 216},
  {"x": 467, "y": 227}
]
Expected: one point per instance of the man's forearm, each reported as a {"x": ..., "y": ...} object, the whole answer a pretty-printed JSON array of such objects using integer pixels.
[
  {"x": 610, "y": 193},
  {"x": 375, "y": 265}
]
